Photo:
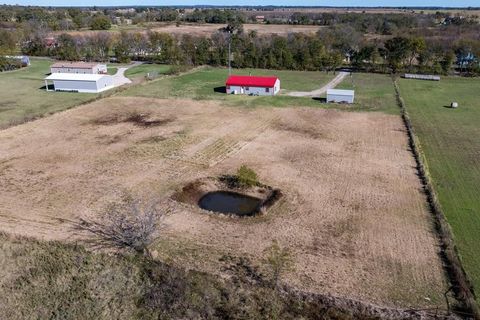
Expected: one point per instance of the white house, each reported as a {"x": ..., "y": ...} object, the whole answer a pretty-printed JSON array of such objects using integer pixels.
[
  {"x": 257, "y": 86},
  {"x": 73, "y": 82},
  {"x": 340, "y": 96},
  {"x": 78, "y": 67}
]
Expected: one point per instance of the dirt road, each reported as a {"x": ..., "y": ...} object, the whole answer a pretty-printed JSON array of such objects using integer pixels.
[{"x": 316, "y": 93}]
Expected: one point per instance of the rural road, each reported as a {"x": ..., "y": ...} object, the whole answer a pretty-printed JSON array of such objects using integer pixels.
[
  {"x": 315, "y": 93},
  {"x": 119, "y": 78}
]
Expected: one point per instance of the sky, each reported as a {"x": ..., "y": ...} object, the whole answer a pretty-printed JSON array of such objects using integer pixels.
[{"x": 359, "y": 3}]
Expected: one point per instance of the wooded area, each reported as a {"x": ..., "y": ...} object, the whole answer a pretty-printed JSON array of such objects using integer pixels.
[{"x": 374, "y": 42}]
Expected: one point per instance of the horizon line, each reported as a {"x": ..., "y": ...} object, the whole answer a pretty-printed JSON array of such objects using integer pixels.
[{"x": 245, "y": 6}]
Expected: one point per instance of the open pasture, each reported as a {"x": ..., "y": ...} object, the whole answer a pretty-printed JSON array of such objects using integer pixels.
[
  {"x": 23, "y": 96},
  {"x": 353, "y": 215},
  {"x": 450, "y": 141},
  {"x": 204, "y": 29}
]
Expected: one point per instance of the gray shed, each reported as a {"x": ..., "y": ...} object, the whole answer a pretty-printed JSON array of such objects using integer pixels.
[
  {"x": 340, "y": 96},
  {"x": 74, "y": 82}
]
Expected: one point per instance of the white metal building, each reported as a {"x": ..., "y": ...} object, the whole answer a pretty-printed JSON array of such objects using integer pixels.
[
  {"x": 340, "y": 96},
  {"x": 90, "y": 83},
  {"x": 78, "y": 67},
  {"x": 251, "y": 85}
]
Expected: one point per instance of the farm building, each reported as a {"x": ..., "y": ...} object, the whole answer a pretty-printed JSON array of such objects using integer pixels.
[
  {"x": 251, "y": 85},
  {"x": 90, "y": 83},
  {"x": 79, "y": 67},
  {"x": 340, "y": 96}
]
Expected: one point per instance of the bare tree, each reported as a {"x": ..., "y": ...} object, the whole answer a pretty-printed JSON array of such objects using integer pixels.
[
  {"x": 279, "y": 261},
  {"x": 127, "y": 225}
]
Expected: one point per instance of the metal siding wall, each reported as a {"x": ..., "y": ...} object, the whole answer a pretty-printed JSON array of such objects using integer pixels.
[
  {"x": 339, "y": 98},
  {"x": 104, "y": 82},
  {"x": 75, "y": 85},
  {"x": 252, "y": 90}
]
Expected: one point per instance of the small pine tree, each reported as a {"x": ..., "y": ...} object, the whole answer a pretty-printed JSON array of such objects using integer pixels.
[{"x": 246, "y": 177}]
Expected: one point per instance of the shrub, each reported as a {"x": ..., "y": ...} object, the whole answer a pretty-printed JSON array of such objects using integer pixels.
[
  {"x": 100, "y": 22},
  {"x": 176, "y": 70},
  {"x": 279, "y": 261},
  {"x": 247, "y": 177},
  {"x": 128, "y": 225}
]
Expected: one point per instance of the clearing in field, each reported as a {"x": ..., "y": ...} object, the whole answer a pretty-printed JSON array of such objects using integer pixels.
[
  {"x": 450, "y": 142},
  {"x": 352, "y": 212}
]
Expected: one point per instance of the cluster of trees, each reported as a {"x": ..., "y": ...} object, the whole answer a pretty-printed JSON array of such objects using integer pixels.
[
  {"x": 372, "y": 42},
  {"x": 74, "y": 18},
  {"x": 55, "y": 18},
  {"x": 327, "y": 50}
]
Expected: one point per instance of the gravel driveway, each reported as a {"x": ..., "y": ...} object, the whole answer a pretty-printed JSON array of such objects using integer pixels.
[{"x": 315, "y": 93}]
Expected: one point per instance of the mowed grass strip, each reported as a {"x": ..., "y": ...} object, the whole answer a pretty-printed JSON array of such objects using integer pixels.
[
  {"x": 23, "y": 96},
  {"x": 373, "y": 92},
  {"x": 450, "y": 141},
  {"x": 141, "y": 71},
  {"x": 209, "y": 84}
]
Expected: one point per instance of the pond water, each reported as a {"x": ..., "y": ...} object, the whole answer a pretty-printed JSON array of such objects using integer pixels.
[{"x": 230, "y": 203}]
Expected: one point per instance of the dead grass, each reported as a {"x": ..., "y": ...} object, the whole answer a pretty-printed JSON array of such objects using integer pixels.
[{"x": 352, "y": 215}]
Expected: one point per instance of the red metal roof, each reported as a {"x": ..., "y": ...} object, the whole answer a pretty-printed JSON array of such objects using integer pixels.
[{"x": 251, "y": 81}]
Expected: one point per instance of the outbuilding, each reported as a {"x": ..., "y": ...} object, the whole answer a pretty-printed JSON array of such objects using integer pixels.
[
  {"x": 340, "y": 96},
  {"x": 78, "y": 67},
  {"x": 72, "y": 82},
  {"x": 252, "y": 85}
]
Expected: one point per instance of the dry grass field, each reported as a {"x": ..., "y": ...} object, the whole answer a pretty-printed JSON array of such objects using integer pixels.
[
  {"x": 353, "y": 215},
  {"x": 207, "y": 29}
]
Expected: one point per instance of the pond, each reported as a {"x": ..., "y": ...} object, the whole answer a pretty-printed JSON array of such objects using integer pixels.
[{"x": 230, "y": 203}]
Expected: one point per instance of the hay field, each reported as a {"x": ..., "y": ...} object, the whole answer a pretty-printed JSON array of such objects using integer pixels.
[
  {"x": 203, "y": 29},
  {"x": 450, "y": 142},
  {"x": 353, "y": 214}
]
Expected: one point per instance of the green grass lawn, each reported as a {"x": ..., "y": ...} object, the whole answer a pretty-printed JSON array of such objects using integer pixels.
[
  {"x": 373, "y": 92},
  {"x": 208, "y": 83},
  {"x": 142, "y": 70},
  {"x": 112, "y": 70},
  {"x": 450, "y": 140},
  {"x": 22, "y": 94}
]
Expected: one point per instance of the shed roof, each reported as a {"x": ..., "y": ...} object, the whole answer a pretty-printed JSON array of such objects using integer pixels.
[
  {"x": 339, "y": 92},
  {"x": 251, "y": 81},
  {"x": 75, "y": 76},
  {"x": 75, "y": 64}
]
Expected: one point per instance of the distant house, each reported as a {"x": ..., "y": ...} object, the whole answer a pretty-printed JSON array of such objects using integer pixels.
[
  {"x": 466, "y": 59},
  {"x": 340, "y": 96},
  {"x": 78, "y": 67},
  {"x": 25, "y": 60},
  {"x": 74, "y": 82},
  {"x": 260, "y": 19},
  {"x": 251, "y": 85},
  {"x": 50, "y": 42}
]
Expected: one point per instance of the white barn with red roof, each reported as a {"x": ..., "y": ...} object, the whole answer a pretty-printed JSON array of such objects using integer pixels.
[{"x": 252, "y": 85}]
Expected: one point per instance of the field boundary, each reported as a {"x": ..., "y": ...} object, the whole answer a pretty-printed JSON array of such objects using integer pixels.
[{"x": 461, "y": 285}]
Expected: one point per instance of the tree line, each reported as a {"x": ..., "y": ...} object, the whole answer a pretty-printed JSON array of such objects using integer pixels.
[
  {"x": 362, "y": 41},
  {"x": 326, "y": 50}
]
